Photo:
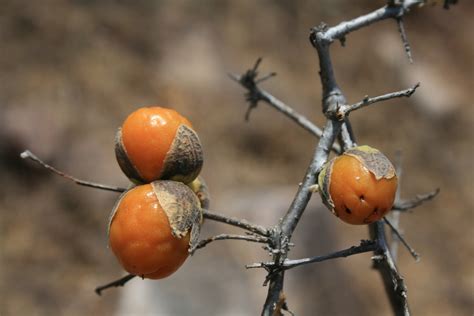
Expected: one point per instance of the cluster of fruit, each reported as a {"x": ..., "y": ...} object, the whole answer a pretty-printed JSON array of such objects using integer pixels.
[{"x": 155, "y": 224}]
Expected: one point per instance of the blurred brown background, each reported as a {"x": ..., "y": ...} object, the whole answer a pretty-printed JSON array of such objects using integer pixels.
[{"x": 70, "y": 72}]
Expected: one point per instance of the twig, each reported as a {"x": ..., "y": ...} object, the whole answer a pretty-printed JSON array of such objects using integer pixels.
[
  {"x": 342, "y": 29},
  {"x": 242, "y": 223},
  {"x": 344, "y": 110},
  {"x": 321, "y": 37},
  {"x": 262, "y": 79},
  {"x": 29, "y": 155},
  {"x": 412, "y": 203},
  {"x": 346, "y": 136},
  {"x": 256, "y": 94},
  {"x": 116, "y": 283},
  {"x": 395, "y": 216},
  {"x": 295, "y": 211},
  {"x": 393, "y": 281},
  {"x": 204, "y": 242},
  {"x": 412, "y": 251},
  {"x": 403, "y": 34},
  {"x": 365, "y": 246}
]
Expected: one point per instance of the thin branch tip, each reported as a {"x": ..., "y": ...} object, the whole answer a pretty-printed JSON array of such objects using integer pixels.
[
  {"x": 343, "y": 110},
  {"x": 416, "y": 201},
  {"x": 25, "y": 154},
  {"x": 29, "y": 155},
  {"x": 242, "y": 223},
  {"x": 403, "y": 35},
  {"x": 413, "y": 89},
  {"x": 253, "y": 238},
  {"x": 410, "y": 249},
  {"x": 119, "y": 282},
  {"x": 257, "y": 63}
]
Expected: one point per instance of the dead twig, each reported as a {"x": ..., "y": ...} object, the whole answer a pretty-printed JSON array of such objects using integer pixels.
[
  {"x": 412, "y": 251},
  {"x": 344, "y": 110},
  {"x": 29, "y": 155},
  {"x": 242, "y": 223},
  {"x": 116, "y": 283},
  {"x": 416, "y": 201},
  {"x": 205, "y": 242},
  {"x": 365, "y": 246}
]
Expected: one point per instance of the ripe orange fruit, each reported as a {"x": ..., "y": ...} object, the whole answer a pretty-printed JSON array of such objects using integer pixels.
[
  {"x": 158, "y": 143},
  {"x": 359, "y": 186},
  {"x": 152, "y": 227}
]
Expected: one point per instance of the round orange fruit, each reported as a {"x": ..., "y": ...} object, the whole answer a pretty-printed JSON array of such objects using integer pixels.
[{"x": 359, "y": 186}]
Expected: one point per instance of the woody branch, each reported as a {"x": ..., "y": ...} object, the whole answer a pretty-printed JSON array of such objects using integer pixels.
[{"x": 322, "y": 37}]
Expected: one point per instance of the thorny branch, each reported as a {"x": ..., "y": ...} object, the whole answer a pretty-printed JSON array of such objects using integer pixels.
[
  {"x": 321, "y": 37},
  {"x": 255, "y": 94},
  {"x": 278, "y": 237}
]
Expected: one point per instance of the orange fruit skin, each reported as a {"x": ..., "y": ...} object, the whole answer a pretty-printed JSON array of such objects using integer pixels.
[
  {"x": 147, "y": 135},
  {"x": 140, "y": 236},
  {"x": 359, "y": 198}
]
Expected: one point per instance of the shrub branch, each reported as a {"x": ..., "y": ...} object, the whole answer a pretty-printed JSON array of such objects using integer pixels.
[{"x": 336, "y": 110}]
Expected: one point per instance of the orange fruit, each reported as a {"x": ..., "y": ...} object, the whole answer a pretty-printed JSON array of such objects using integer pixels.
[
  {"x": 359, "y": 186},
  {"x": 144, "y": 233},
  {"x": 158, "y": 143}
]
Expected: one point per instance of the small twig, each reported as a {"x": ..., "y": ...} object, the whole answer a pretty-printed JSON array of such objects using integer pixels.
[
  {"x": 345, "y": 109},
  {"x": 116, "y": 283},
  {"x": 29, "y": 155},
  {"x": 255, "y": 94},
  {"x": 395, "y": 216},
  {"x": 242, "y": 223},
  {"x": 262, "y": 79},
  {"x": 403, "y": 34},
  {"x": 342, "y": 29},
  {"x": 412, "y": 251},
  {"x": 204, "y": 242},
  {"x": 418, "y": 200},
  {"x": 365, "y": 246},
  {"x": 393, "y": 281}
]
